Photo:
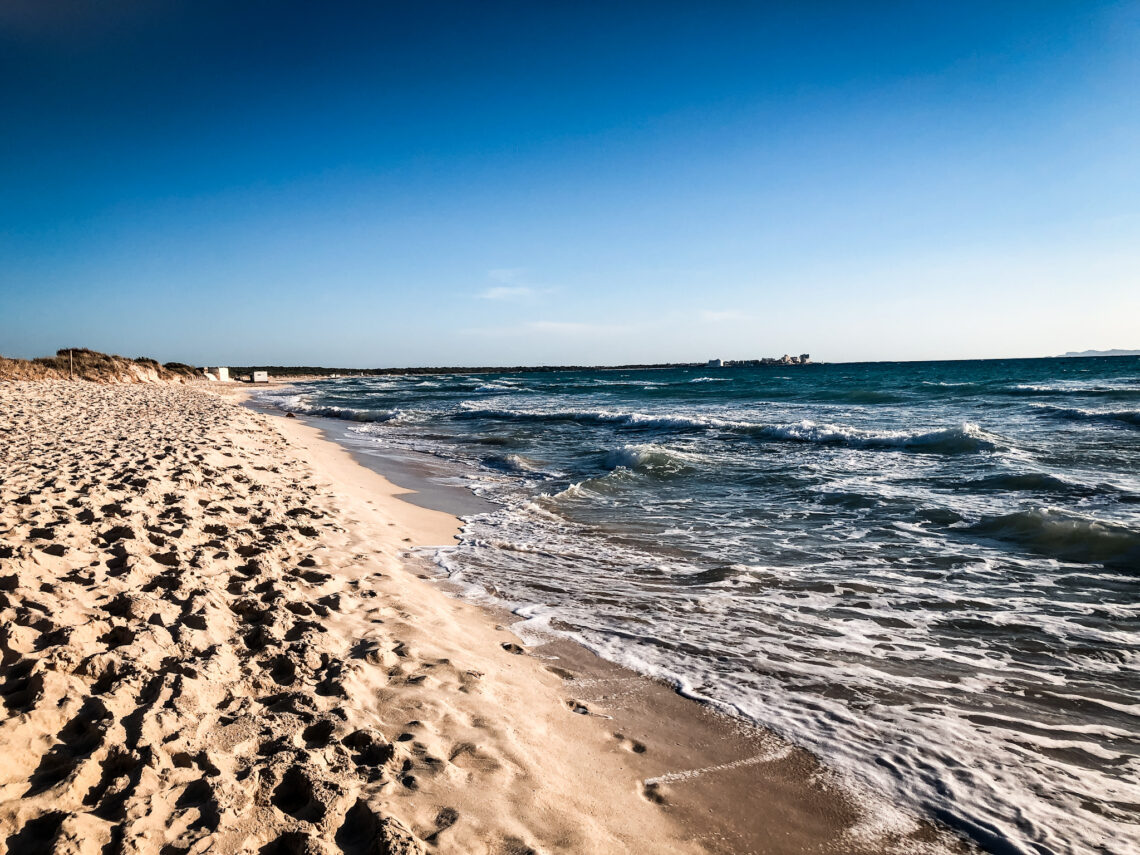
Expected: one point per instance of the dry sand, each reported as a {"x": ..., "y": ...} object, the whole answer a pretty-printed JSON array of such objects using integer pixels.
[{"x": 212, "y": 641}]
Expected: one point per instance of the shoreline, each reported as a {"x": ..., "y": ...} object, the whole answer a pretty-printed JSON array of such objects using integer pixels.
[
  {"x": 214, "y": 639},
  {"x": 702, "y": 758}
]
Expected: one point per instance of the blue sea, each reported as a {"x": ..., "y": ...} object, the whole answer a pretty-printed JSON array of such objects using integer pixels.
[{"x": 927, "y": 573}]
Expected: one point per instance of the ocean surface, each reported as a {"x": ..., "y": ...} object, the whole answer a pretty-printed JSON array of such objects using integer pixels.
[{"x": 927, "y": 573}]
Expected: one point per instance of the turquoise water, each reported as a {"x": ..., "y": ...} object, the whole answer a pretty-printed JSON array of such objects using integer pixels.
[{"x": 929, "y": 573}]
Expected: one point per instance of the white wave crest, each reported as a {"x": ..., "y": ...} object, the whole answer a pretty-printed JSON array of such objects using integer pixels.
[
  {"x": 966, "y": 437},
  {"x": 1126, "y": 417},
  {"x": 649, "y": 457}
]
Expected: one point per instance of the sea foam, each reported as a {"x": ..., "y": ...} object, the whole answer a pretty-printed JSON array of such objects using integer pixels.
[
  {"x": 967, "y": 437},
  {"x": 852, "y": 556}
]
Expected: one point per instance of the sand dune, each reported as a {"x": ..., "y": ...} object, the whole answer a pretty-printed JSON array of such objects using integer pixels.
[{"x": 80, "y": 363}]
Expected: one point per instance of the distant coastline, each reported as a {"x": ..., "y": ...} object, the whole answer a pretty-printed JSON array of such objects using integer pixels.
[
  {"x": 281, "y": 372},
  {"x": 295, "y": 371},
  {"x": 1075, "y": 353},
  {"x": 85, "y": 364}
]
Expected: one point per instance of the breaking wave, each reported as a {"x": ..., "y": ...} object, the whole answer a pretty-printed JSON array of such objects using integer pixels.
[
  {"x": 1131, "y": 418},
  {"x": 298, "y": 404},
  {"x": 1074, "y": 390},
  {"x": 1026, "y": 482},
  {"x": 1081, "y": 540},
  {"x": 964, "y": 438},
  {"x": 510, "y": 463},
  {"x": 470, "y": 410},
  {"x": 500, "y": 386},
  {"x": 649, "y": 458}
]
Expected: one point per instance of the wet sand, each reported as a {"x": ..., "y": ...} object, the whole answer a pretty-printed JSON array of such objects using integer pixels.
[{"x": 213, "y": 639}]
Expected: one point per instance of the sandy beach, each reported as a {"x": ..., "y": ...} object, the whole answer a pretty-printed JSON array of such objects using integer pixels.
[{"x": 214, "y": 640}]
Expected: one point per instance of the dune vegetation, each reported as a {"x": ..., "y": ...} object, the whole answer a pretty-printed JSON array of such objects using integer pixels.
[{"x": 80, "y": 363}]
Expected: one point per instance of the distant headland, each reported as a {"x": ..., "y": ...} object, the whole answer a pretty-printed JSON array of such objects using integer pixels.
[{"x": 1073, "y": 353}]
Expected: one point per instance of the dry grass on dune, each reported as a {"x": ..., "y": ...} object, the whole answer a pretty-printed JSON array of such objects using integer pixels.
[{"x": 81, "y": 363}]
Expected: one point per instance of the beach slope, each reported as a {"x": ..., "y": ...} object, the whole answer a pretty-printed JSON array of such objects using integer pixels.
[
  {"x": 211, "y": 641},
  {"x": 204, "y": 650}
]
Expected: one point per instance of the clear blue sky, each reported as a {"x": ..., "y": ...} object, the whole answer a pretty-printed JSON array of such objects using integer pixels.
[{"x": 431, "y": 183}]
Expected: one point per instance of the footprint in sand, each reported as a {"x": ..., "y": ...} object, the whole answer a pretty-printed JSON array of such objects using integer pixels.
[{"x": 631, "y": 745}]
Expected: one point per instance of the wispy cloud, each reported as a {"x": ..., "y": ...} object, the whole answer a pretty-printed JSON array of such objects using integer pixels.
[
  {"x": 574, "y": 328},
  {"x": 511, "y": 285},
  {"x": 715, "y": 317},
  {"x": 506, "y": 275},
  {"x": 507, "y": 292},
  {"x": 563, "y": 329}
]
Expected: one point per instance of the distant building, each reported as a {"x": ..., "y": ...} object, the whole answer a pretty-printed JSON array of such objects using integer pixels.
[
  {"x": 805, "y": 358},
  {"x": 260, "y": 376},
  {"x": 715, "y": 363},
  {"x": 223, "y": 374}
]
